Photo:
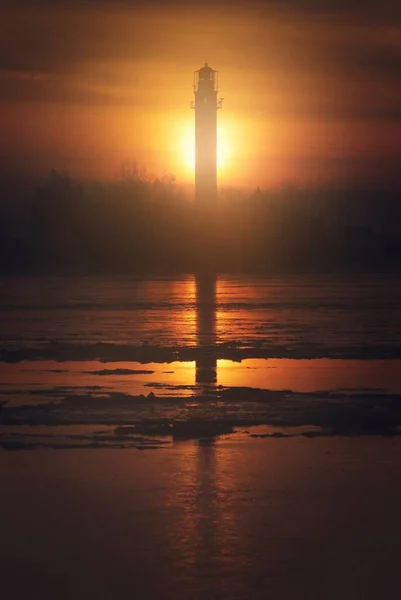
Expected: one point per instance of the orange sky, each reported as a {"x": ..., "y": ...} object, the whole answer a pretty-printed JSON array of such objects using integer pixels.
[{"x": 312, "y": 94}]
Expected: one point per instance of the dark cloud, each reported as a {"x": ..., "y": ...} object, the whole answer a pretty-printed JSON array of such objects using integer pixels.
[
  {"x": 54, "y": 40},
  {"x": 69, "y": 32},
  {"x": 357, "y": 59},
  {"x": 304, "y": 5},
  {"x": 384, "y": 11},
  {"x": 53, "y": 88}
]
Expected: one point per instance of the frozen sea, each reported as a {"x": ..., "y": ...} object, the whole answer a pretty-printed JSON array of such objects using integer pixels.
[{"x": 156, "y": 353}]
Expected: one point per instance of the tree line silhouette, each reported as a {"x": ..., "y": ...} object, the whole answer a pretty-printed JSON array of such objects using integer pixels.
[{"x": 143, "y": 223}]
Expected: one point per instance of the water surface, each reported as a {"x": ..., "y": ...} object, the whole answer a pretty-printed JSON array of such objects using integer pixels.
[
  {"x": 242, "y": 518},
  {"x": 90, "y": 349}
]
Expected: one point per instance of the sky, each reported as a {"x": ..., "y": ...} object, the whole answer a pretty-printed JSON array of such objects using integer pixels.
[{"x": 311, "y": 88}]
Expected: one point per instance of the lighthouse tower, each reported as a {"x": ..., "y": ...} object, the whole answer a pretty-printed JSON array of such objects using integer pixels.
[{"x": 206, "y": 105}]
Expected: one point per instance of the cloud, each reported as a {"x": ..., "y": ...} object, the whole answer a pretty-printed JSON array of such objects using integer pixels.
[
  {"x": 59, "y": 36},
  {"x": 329, "y": 6}
]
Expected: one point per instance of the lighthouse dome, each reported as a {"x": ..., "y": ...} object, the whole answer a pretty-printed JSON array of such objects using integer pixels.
[{"x": 206, "y": 72}]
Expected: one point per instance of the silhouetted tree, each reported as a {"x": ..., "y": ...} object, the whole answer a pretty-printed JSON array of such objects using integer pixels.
[{"x": 142, "y": 222}]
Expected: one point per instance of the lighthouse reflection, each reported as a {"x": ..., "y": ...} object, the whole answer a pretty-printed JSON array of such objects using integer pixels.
[{"x": 206, "y": 362}]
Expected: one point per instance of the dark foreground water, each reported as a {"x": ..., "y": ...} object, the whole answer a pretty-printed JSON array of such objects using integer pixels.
[{"x": 236, "y": 520}]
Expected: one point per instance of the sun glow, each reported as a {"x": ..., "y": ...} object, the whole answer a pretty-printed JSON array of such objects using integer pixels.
[{"x": 185, "y": 149}]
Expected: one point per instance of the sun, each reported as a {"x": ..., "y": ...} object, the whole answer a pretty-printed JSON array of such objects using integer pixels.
[{"x": 185, "y": 149}]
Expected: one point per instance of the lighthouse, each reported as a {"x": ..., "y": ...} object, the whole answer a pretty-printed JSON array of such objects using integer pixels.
[{"x": 206, "y": 104}]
